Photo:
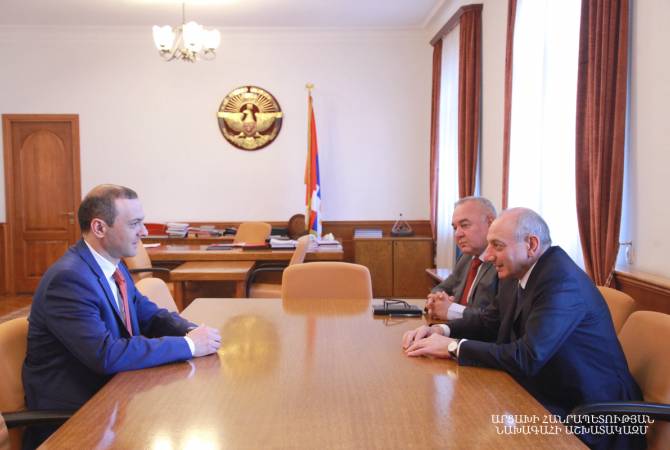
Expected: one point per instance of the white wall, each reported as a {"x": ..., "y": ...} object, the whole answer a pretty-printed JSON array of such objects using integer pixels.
[
  {"x": 372, "y": 102},
  {"x": 648, "y": 223},
  {"x": 152, "y": 125}
]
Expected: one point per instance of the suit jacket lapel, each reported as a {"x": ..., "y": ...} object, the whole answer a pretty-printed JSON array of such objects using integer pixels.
[
  {"x": 507, "y": 302},
  {"x": 463, "y": 268},
  {"x": 520, "y": 302},
  {"x": 88, "y": 258},
  {"x": 483, "y": 270}
]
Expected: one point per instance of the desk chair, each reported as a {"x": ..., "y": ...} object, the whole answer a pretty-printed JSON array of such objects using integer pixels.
[
  {"x": 140, "y": 267},
  {"x": 13, "y": 346},
  {"x": 158, "y": 292},
  {"x": 273, "y": 290},
  {"x": 620, "y": 304},
  {"x": 326, "y": 280},
  {"x": 252, "y": 232},
  {"x": 644, "y": 339},
  {"x": 4, "y": 435}
]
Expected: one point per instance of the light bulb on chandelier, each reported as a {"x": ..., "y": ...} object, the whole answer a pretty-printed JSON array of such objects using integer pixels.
[{"x": 188, "y": 42}]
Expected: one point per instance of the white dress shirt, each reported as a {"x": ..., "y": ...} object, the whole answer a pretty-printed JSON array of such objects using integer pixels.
[{"x": 108, "y": 269}]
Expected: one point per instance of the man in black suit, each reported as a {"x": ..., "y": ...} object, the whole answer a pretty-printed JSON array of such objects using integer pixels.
[
  {"x": 474, "y": 282},
  {"x": 552, "y": 329}
]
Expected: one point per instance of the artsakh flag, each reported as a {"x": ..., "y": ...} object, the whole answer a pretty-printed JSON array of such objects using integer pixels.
[{"x": 312, "y": 181}]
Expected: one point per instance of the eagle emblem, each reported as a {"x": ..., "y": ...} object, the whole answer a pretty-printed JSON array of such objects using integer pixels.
[{"x": 250, "y": 118}]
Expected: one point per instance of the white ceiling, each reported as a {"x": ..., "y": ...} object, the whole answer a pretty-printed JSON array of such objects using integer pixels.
[{"x": 223, "y": 13}]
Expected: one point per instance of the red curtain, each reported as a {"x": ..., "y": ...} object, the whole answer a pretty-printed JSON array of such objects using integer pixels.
[
  {"x": 435, "y": 134},
  {"x": 469, "y": 98},
  {"x": 600, "y": 132},
  {"x": 509, "y": 54}
]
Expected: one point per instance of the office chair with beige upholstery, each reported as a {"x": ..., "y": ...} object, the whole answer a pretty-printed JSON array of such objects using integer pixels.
[
  {"x": 620, "y": 304},
  {"x": 273, "y": 290},
  {"x": 252, "y": 233},
  {"x": 326, "y": 281},
  {"x": 158, "y": 292},
  {"x": 644, "y": 338},
  {"x": 4, "y": 435},
  {"x": 13, "y": 345},
  {"x": 140, "y": 267}
]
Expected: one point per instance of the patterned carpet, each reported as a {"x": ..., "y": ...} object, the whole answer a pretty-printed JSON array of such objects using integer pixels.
[{"x": 23, "y": 312}]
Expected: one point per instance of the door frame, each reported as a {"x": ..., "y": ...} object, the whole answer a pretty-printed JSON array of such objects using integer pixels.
[{"x": 7, "y": 120}]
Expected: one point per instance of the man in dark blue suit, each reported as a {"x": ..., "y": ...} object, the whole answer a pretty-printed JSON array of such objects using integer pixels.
[
  {"x": 88, "y": 321},
  {"x": 551, "y": 328}
]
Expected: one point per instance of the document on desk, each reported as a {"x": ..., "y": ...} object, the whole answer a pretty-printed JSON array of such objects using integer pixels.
[{"x": 220, "y": 247}]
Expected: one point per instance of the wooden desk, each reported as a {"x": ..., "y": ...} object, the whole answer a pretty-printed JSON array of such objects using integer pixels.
[
  {"x": 236, "y": 271},
  {"x": 200, "y": 253},
  {"x": 200, "y": 240},
  {"x": 439, "y": 274},
  {"x": 330, "y": 377}
]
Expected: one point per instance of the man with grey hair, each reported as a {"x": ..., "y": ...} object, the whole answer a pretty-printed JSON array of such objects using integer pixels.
[
  {"x": 473, "y": 283},
  {"x": 551, "y": 328}
]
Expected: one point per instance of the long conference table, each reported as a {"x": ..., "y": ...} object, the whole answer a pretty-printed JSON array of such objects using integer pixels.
[{"x": 309, "y": 375}]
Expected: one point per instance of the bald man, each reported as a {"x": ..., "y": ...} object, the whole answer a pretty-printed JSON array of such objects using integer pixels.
[{"x": 551, "y": 327}]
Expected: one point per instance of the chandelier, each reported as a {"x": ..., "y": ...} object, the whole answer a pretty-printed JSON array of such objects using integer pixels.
[{"x": 188, "y": 42}]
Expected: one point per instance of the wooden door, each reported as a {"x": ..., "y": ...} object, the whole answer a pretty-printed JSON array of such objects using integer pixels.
[
  {"x": 411, "y": 258},
  {"x": 43, "y": 191}
]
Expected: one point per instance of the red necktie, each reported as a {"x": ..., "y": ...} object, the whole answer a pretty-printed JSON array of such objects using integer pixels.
[
  {"x": 123, "y": 291},
  {"x": 472, "y": 274}
]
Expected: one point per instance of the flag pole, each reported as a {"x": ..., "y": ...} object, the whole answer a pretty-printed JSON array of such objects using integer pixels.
[
  {"x": 312, "y": 181},
  {"x": 308, "y": 164}
]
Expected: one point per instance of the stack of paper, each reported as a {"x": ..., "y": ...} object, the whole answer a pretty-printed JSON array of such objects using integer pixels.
[
  {"x": 324, "y": 244},
  {"x": 367, "y": 233},
  {"x": 282, "y": 243},
  {"x": 177, "y": 229}
]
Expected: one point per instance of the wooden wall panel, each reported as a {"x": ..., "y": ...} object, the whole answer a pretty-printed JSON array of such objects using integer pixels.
[{"x": 649, "y": 291}]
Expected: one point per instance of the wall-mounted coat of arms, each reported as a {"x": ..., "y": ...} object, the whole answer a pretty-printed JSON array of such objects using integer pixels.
[{"x": 250, "y": 118}]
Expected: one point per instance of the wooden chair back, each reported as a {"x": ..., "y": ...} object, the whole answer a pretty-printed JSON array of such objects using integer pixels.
[
  {"x": 326, "y": 280},
  {"x": 620, "y": 304},
  {"x": 252, "y": 232},
  {"x": 158, "y": 292},
  {"x": 141, "y": 260},
  {"x": 13, "y": 347},
  {"x": 644, "y": 338}
]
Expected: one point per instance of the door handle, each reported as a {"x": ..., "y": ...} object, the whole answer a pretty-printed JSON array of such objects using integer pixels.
[{"x": 70, "y": 215}]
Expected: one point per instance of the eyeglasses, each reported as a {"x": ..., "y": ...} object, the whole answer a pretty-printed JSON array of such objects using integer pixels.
[{"x": 388, "y": 302}]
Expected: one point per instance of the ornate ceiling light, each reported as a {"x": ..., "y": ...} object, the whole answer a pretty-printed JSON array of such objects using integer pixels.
[{"x": 188, "y": 42}]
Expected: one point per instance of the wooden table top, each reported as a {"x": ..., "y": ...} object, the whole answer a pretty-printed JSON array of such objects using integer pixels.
[
  {"x": 200, "y": 253},
  {"x": 306, "y": 376},
  {"x": 212, "y": 271}
]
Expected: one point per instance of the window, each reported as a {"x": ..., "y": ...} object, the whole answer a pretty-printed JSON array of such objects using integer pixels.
[
  {"x": 448, "y": 149},
  {"x": 542, "y": 134}
]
